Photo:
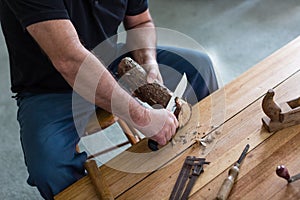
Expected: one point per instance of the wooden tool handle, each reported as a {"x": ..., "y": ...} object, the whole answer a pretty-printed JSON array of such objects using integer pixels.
[
  {"x": 283, "y": 172},
  {"x": 98, "y": 181},
  {"x": 228, "y": 183},
  {"x": 270, "y": 107}
]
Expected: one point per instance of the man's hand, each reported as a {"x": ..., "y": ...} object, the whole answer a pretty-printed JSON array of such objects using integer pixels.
[
  {"x": 169, "y": 123},
  {"x": 153, "y": 73},
  {"x": 157, "y": 124}
]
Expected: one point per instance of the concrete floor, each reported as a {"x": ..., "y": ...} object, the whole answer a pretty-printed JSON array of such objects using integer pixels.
[{"x": 237, "y": 34}]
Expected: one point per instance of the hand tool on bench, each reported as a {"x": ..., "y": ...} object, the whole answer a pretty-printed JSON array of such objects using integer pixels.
[
  {"x": 232, "y": 175},
  {"x": 191, "y": 170},
  {"x": 134, "y": 79},
  {"x": 283, "y": 172},
  {"x": 282, "y": 115},
  {"x": 97, "y": 179}
]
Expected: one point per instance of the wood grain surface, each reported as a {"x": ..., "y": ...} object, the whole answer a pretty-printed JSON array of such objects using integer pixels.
[{"x": 233, "y": 116}]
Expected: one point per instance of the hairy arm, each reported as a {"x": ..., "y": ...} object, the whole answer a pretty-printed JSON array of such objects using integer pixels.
[
  {"x": 141, "y": 37},
  {"x": 88, "y": 77},
  {"x": 60, "y": 42}
]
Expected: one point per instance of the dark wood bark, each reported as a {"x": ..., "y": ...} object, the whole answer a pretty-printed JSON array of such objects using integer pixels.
[{"x": 133, "y": 78}]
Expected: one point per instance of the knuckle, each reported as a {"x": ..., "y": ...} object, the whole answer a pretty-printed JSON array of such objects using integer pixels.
[{"x": 162, "y": 141}]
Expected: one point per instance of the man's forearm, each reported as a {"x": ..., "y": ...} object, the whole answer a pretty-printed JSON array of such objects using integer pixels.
[
  {"x": 142, "y": 40},
  {"x": 96, "y": 84},
  {"x": 82, "y": 70},
  {"x": 141, "y": 37}
]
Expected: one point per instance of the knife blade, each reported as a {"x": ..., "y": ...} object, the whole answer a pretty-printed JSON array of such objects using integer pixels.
[
  {"x": 171, "y": 106},
  {"x": 180, "y": 88}
]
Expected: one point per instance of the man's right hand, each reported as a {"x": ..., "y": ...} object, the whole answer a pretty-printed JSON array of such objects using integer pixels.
[{"x": 157, "y": 124}]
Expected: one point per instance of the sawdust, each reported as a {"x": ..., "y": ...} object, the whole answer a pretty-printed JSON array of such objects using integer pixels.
[{"x": 205, "y": 141}]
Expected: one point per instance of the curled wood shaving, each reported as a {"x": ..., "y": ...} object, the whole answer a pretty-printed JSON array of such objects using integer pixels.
[{"x": 204, "y": 141}]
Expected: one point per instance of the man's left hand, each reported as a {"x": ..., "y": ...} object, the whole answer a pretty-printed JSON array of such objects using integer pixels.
[{"x": 153, "y": 73}]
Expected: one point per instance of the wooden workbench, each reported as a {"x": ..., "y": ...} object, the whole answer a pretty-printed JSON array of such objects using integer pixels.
[{"x": 233, "y": 116}]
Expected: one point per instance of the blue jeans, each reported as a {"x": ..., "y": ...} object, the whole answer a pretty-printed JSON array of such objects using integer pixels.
[{"x": 49, "y": 135}]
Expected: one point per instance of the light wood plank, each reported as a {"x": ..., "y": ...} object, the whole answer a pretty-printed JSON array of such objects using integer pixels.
[
  {"x": 257, "y": 178},
  {"x": 290, "y": 191},
  {"x": 85, "y": 185},
  {"x": 262, "y": 181},
  {"x": 209, "y": 117},
  {"x": 235, "y": 134},
  {"x": 212, "y": 111}
]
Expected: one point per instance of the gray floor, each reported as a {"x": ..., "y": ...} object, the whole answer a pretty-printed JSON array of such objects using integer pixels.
[{"x": 237, "y": 34}]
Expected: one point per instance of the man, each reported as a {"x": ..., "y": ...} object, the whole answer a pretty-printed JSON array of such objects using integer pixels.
[{"x": 49, "y": 44}]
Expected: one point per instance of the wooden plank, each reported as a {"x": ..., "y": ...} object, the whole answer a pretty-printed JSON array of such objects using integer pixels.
[
  {"x": 235, "y": 134},
  {"x": 85, "y": 185},
  {"x": 212, "y": 112},
  {"x": 257, "y": 178},
  {"x": 262, "y": 182},
  {"x": 284, "y": 92},
  {"x": 290, "y": 191},
  {"x": 210, "y": 107}
]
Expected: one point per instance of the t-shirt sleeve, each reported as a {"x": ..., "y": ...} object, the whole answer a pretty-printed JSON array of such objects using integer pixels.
[
  {"x": 32, "y": 11},
  {"x": 135, "y": 7}
]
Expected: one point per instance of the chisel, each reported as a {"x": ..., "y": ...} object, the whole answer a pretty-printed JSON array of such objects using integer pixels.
[{"x": 232, "y": 175}]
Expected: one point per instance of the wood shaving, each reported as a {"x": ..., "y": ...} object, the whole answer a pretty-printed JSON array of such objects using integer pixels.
[
  {"x": 203, "y": 144},
  {"x": 217, "y": 132},
  {"x": 208, "y": 139},
  {"x": 173, "y": 142},
  {"x": 205, "y": 140}
]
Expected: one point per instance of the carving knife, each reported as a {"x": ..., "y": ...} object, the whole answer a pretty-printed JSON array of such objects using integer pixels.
[
  {"x": 177, "y": 93},
  {"x": 171, "y": 106}
]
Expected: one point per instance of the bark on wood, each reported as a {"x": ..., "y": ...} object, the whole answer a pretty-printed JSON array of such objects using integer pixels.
[
  {"x": 134, "y": 79},
  {"x": 183, "y": 112}
]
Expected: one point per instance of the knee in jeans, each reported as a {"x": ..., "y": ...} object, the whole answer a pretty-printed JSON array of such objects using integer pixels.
[
  {"x": 52, "y": 174},
  {"x": 202, "y": 60}
]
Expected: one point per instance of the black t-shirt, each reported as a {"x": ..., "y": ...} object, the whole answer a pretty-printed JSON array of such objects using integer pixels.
[{"x": 94, "y": 20}]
